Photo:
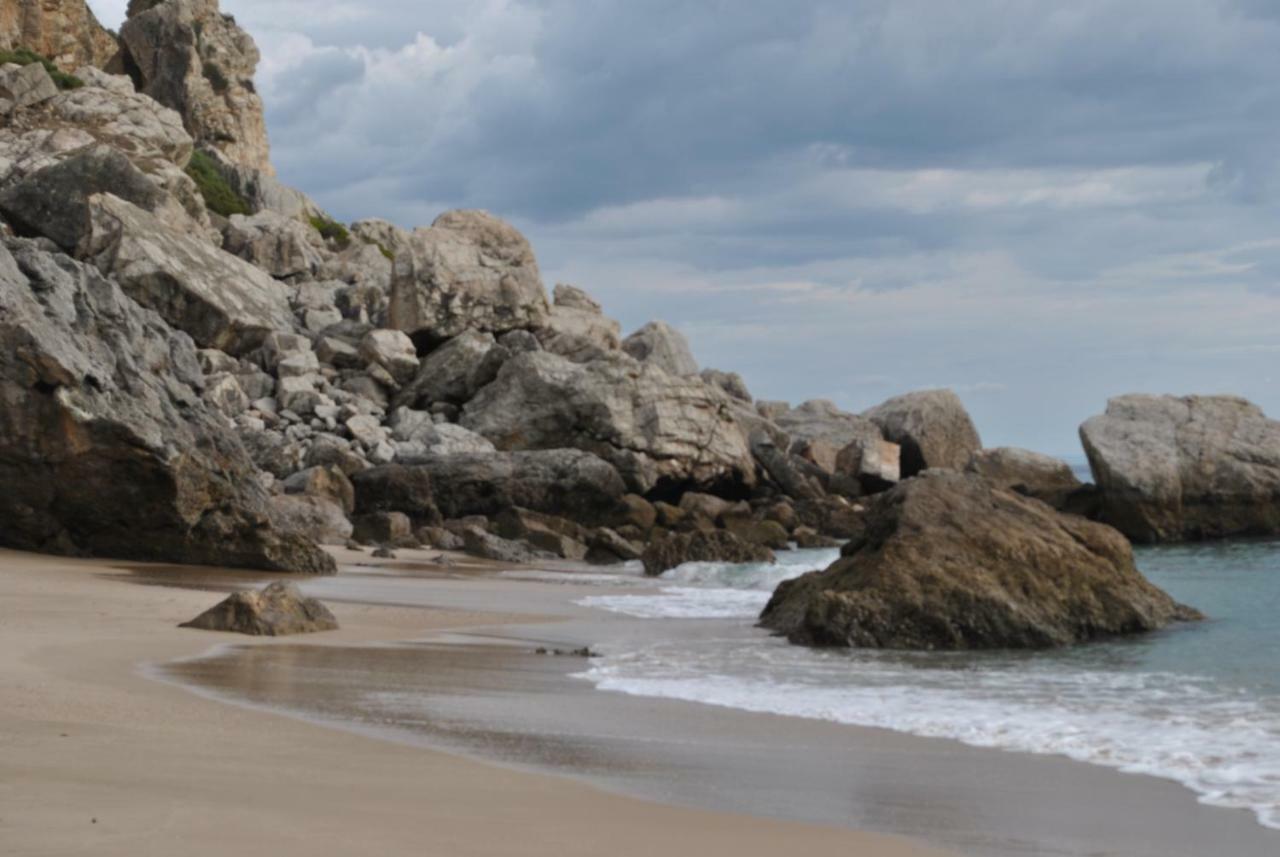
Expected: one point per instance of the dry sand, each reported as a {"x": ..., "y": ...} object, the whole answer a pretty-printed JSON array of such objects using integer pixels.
[{"x": 96, "y": 758}]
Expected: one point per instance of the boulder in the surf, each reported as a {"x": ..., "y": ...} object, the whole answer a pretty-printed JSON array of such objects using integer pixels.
[
  {"x": 949, "y": 561},
  {"x": 700, "y": 546}
]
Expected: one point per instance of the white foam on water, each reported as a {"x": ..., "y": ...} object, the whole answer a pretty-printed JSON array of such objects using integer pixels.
[
  {"x": 715, "y": 590},
  {"x": 1223, "y": 746}
]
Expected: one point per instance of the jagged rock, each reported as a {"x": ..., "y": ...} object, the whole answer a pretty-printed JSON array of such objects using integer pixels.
[
  {"x": 468, "y": 271},
  {"x": 700, "y": 546},
  {"x": 65, "y": 31},
  {"x": 223, "y": 393},
  {"x": 564, "y": 482},
  {"x": 190, "y": 57},
  {"x": 488, "y": 546},
  {"x": 382, "y": 528},
  {"x": 274, "y": 611},
  {"x": 607, "y": 546},
  {"x": 396, "y": 488},
  {"x": 391, "y": 350},
  {"x": 1197, "y": 467},
  {"x": 54, "y": 201},
  {"x": 931, "y": 426},
  {"x": 337, "y": 353},
  {"x": 557, "y": 536},
  {"x": 577, "y": 328},
  {"x": 23, "y": 86},
  {"x": 281, "y": 246},
  {"x": 650, "y": 425},
  {"x": 795, "y": 476},
  {"x": 730, "y": 382},
  {"x": 1028, "y": 473},
  {"x": 874, "y": 464},
  {"x": 221, "y": 301},
  {"x": 386, "y": 237},
  {"x": 318, "y": 519},
  {"x": 449, "y": 372},
  {"x": 821, "y": 420},
  {"x": 662, "y": 346},
  {"x": 417, "y": 435},
  {"x": 769, "y": 534},
  {"x": 328, "y": 481},
  {"x": 951, "y": 562},
  {"x": 105, "y": 445}
]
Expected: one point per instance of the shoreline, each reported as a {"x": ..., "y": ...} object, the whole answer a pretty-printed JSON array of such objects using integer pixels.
[{"x": 101, "y": 759}]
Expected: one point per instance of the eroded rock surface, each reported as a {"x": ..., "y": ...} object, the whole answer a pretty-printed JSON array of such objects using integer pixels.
[{"x": 277, "y": 610}]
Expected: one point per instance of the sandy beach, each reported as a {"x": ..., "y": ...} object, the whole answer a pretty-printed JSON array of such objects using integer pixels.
[{"x": 99, "y": 759}]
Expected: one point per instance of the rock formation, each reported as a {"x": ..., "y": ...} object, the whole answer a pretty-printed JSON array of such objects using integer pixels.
[
  {"x": 1028, "y": 473},
  {"x": 661, "y": 345},
  {"x": 950, "y": 562},
  {"x": 1197, "y": 467},
  {"x": 701, "y": 546},
  {"x": 276, "y": 610},
  {"x": 105, "y": 445},
  {"x": 190, "y": 57},
  {"x": 65, "y": 31},
  {"x": 931, "y": 426}
]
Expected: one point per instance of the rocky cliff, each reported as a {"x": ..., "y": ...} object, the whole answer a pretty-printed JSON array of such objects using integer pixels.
[{"x": 65, "y": 31}]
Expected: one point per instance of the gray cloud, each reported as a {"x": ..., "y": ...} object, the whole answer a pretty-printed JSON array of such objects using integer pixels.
[{"x": 1040, "y": 203}]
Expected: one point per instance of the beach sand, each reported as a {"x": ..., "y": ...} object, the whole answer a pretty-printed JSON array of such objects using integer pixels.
[{"x": 97, "y": 758}]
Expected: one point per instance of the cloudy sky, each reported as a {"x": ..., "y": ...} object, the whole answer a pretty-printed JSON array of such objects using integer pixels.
[{"x": 1039, "y": 204}]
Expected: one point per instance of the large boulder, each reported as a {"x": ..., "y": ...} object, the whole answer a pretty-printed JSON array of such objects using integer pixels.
[
  {"x": 821, "y": 420},
  {"x": 276, "y": 610},
  {"x": 1030, "y": 473},
  {"x": 949, "y": 561},
  {"x": 318, "y": 519},
  {"x": 451, "y": 372},
  {"x": 190, "y": 57},
  {"x": 652, "y": 426},
  {"x": 396, "y": 488},
  {"x": 662, "y": 346},
  {"x": 106, "y": 447},
  {"x": 279, "y": 245},
  {"x": 1197, "y": 467},
  {"x": 564, "y": 482},
  {"x": 223, "y": 302},
  {"x": 931, "y": 426},
  {"x": 23, "y": 86},
  {"x": 468, "y": 271},
  {"x": 676, "y": 549}
]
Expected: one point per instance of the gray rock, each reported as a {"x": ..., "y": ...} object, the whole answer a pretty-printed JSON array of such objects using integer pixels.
[
  {"x": 1025, "y": 472},
  {"x": 26, "y": 85},
  {"x": 468, "y": 271},
  {"x": 1196, "y": 467},
  {"x": 730, "y": 382},
  {"x": 564, "y": 482},
  {"x": 931, "y": 426},
  {"x": 221, "y": 301},
  {"x": 450, "y": 372},
  {"x": 328, "y": 481},
  {"x": 105, "y": 445},
  {"x": 650, "y": 425},
  {"x": 662, "y": 346},
  {"x": 577, "y": 329},
  {"x": 820, "y": 419},
  {"x": 391, "y": 350},
  {"x": 279, "y": 245},
  {"x": 488, "y": 546},
  {"x": 276, "y": 610},
  {"x": 316, "y": 518}
]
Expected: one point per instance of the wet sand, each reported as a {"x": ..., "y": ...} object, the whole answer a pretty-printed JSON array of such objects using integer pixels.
[{"x": 97, "y": 758}]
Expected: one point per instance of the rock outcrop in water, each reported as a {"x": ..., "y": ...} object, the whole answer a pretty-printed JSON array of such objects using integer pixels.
[
  {"x": 950, "y": 562},
  {"x": 1197, "y": 467},
  {"x": 277, "y": 610}
]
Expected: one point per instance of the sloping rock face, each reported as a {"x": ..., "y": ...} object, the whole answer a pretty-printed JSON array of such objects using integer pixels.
[
  {"x": 188, "y": 56},
  {"x": 931, "y": 426},
  {"x": 65, "y": 31},
  {"x": 1025, "y": 472},
  {"x": 220, "y": 300},
  {"x": 950, "y": 562},
  {"x": 578, "y": 328},
  {"x": 468, "y": 271},
  {"x": 1198, "y": 467},
  {"x": 275, "y": 611},
  {"x": 650, "y": 425},
  {"x": 105, "y": 445}
]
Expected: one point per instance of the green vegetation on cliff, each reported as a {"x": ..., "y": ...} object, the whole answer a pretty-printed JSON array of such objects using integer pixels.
[
  {"x": 24, "y": 56},
  {"x": 218, "y": 195}
]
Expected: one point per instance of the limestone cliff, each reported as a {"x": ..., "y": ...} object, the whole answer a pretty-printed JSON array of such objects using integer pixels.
[{"x": 66, "y": 31}]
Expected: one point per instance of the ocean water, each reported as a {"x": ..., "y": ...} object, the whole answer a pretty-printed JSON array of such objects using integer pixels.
[{"x": 1198, "y": 703}]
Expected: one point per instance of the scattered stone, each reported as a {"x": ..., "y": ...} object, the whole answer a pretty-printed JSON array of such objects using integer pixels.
[{"x": 277, "y": 610}]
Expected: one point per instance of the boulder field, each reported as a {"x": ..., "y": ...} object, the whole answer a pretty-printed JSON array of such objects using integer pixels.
[{"x": 201, "y": 365}]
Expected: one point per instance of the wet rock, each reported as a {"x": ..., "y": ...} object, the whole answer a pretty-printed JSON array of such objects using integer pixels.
[
  {"x": 699, "y": 546},
  {"x": 277, "y": 610},
  {"x": 950, "y": 562}
]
